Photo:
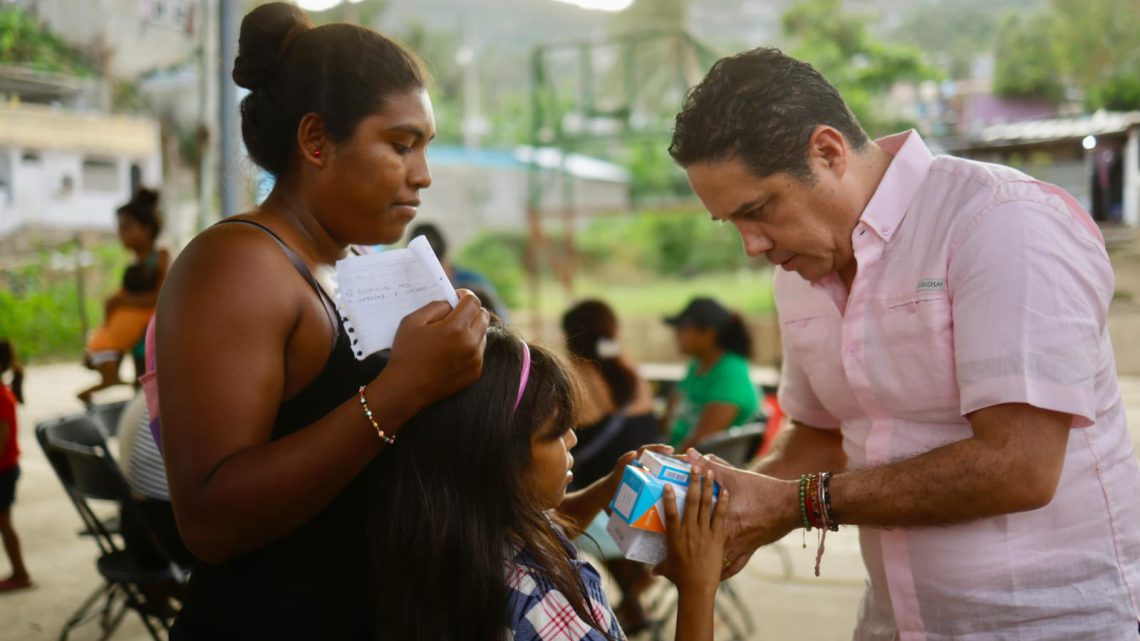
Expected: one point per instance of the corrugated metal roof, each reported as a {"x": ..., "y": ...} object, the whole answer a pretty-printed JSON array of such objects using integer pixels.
[{"x": 1050, "y": 129}]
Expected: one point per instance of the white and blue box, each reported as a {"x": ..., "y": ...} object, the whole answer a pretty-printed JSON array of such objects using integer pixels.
[{"x": 638, "y": 520}]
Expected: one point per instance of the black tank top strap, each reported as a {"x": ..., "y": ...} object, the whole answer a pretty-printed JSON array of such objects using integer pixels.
[{"x": 300, "y": 266}]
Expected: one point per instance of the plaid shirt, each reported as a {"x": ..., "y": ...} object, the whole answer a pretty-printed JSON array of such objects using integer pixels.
[{"x": 537, "y": 611}]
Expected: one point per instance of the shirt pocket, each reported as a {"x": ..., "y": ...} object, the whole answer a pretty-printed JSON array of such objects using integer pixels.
[
  {"x": 916, "y": 373},
  {"x": 806, "y": 332}
]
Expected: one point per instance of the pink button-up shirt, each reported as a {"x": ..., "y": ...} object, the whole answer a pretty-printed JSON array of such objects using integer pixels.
[{"x": 977, "y": 286}]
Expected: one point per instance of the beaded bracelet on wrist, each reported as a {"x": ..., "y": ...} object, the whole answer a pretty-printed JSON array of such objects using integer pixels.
[{"x": 390, "y": 440}]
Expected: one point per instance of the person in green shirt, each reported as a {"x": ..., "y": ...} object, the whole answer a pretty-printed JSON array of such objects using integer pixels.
[{"x": 717, "y": 391}]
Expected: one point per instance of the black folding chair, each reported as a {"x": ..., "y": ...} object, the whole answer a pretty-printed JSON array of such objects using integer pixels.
[
  {"x": 737, "y": 445},
  {"x": 77, "y": 451},
  {"x": 107, "y": 415}
]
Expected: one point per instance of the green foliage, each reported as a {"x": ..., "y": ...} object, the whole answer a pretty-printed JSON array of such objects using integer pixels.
[
  {"x": 955, "y": 32},
  {"x": 499, "y": 257},
  {"x": 653, "y": 174},
  {"x": 1093, "y": 38},
  {"x": 653, "y": 245},
  {"x": 24, "y": 41},
  {"x": 126, "y": 97},
  {"x": 842, "y": 48},
  {"x": 1120, "y": 92},
  {"x": 41, "y": 304},
  {"x": 1093, "y": 47},
  {"x": 662, "y": 243},
  {"x": 1027, "y": 60}
]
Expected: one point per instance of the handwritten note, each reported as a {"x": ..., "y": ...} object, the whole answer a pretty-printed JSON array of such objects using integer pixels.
[{"x": 376, "y": 291}]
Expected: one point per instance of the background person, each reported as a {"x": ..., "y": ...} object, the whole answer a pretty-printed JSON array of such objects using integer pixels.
[
  {"x": 717, "y": 391},
  {"x": 10, "y": 394}
]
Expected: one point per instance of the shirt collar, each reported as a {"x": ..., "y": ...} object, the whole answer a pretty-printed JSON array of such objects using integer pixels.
[{"x": 906, "y": 173}]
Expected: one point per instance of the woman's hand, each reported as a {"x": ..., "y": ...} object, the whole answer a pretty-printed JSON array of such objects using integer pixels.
[
  {"x": 695, "y": 538},
  {"x": 438, "y": 350}
]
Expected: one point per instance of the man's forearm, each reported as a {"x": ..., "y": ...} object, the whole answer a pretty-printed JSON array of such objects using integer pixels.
[
  {"x": 800, "y": 449},
  {"x": 959, "y": 482}
]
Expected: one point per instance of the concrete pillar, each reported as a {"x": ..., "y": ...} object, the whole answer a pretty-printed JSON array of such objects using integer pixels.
[{"x": 1132, "y": 178}]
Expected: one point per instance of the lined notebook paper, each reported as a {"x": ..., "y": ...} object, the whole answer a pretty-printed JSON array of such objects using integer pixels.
[{"x": 376, "y": 291}]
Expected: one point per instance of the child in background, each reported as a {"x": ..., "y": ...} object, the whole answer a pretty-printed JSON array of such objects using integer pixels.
[
  {"x": 123, "y": 326},
  {"x": 9, "y": 465},
  {"x": 471, "y": 517}
]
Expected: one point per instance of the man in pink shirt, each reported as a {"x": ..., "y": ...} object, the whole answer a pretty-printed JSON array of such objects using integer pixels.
[{"x": 946, "y": 359}]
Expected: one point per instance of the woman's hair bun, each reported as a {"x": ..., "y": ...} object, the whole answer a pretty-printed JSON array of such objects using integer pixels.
[
  {"x": 266, "y": 33},
  {"x": 146, "y": 198}
]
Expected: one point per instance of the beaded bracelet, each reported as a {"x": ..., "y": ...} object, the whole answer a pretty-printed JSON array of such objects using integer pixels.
[
  {"x": 830, "y": 521},
  {"x": 390, "y": 440},
  {"x": 803, "y": 502}
]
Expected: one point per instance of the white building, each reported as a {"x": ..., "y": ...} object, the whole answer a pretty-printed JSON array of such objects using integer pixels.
[{"x": 69, "y": 170}]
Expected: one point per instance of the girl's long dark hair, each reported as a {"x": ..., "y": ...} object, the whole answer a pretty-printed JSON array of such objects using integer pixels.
[
  {"x": 584, "y": 325},
  {"x": 452, "y": 503},
  {"x": 8, "y": 361}
]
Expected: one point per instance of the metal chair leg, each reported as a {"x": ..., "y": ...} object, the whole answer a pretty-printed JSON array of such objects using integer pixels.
[
  {"x": 81, "y": 614},
  {"x": 740, "y": 606}
]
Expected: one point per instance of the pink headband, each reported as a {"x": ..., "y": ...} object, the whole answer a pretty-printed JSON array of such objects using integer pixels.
[{"x": 524, "y": 375}]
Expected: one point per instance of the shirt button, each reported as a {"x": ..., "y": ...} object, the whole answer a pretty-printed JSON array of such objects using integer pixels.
[
  {"x": 886, "y": 229},
  {"x": 851, "y": 351}
]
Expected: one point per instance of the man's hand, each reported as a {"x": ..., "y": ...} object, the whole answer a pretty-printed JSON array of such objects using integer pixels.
[{"x": 763, "y": 509}]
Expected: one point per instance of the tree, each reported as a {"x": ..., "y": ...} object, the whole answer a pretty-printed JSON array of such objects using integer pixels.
[
  {"x": 956, "y": 32},
  {"x": 1092, "y": 47},
  {"x": 26, "y": 42},
  {"x": 1026, "y": 59},
  {"x": 841, "y": 47},
  {"x": 1099, "y": 47}
]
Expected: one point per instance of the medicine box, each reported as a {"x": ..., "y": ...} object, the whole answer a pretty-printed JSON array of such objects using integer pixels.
[{"x": 638, "y": 520}]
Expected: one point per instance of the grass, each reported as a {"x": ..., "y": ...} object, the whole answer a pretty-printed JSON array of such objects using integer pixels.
[{"x": 748, "y": 291}]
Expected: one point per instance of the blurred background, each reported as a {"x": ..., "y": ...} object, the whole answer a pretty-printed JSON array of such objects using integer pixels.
[
  {"x": 551, "y": 180},
  {"x": 551, "y": 176}
]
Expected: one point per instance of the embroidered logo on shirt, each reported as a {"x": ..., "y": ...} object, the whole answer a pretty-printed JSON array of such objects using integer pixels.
[{"x": 928, "y": 284}]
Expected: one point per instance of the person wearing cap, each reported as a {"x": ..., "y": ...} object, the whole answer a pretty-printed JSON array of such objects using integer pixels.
[
  {"x": 717, "y": 391},
  {"x": 947, "y": 367}
]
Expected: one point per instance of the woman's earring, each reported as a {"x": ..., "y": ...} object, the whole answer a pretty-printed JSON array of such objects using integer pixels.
[{"x": 316, "y": 153}]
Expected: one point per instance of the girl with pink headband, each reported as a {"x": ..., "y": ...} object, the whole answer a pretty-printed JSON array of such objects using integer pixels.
[{"x": 471, "y": 521}]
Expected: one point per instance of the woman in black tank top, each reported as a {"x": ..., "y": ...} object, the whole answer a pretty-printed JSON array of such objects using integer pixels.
[{"x": 266, "y": 444}]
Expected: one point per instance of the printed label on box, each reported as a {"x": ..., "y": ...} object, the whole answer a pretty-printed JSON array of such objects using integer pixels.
[{"x": 625, "y": 499}]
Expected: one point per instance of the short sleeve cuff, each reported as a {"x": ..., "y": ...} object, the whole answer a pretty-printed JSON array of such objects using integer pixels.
[{"x": 1066, "y": 399}]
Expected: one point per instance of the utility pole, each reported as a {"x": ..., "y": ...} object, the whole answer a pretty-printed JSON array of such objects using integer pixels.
[
  {"x": 207, "y": 133},
  {"x": 229, "y": 150}
]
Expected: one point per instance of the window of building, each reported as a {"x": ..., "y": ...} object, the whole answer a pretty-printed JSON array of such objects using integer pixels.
[{"x": 100, "y": 175}]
